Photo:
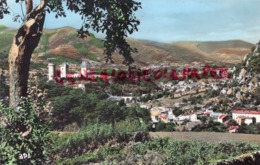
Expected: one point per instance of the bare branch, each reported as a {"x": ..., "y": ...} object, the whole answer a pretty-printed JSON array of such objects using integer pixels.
[{"x": 21, "y": 5}]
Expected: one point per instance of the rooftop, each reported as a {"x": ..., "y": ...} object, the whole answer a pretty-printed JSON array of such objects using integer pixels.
[
  {"x": 222, "y": 116},
  {"x": 246, "y": 112}
]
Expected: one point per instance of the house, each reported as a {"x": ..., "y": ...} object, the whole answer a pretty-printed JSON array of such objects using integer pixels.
[
  {"x": 215, "y": 114},
  {"x": 155, "y": 113},
  {"x": 154, "y": 119},
  {"x": 182, "y": 117},
  {"x": 233, "y": 129},
  {"x": 254, "y": 114},
  {"x": 223, "y": 118},
  {"x": 245, "y": 120},
  {"x": 193, "y": 117}
]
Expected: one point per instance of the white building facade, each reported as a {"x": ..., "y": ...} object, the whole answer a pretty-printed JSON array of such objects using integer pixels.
[{"x": 246, "y": 113}]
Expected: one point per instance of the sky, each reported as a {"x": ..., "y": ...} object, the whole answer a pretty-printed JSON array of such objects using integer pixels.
[{"x": 181, "y": 20}]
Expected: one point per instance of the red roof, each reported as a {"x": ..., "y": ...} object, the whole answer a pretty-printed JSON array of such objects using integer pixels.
[
  {"x": 206, "y": 113},
  {"x": 246, "y": 112},
  {"x": 222, "y": 116},
  {"x": 245, "y": 117},
  {"x": 163, "y": 116},
  {"x": 232, "y": 127}
]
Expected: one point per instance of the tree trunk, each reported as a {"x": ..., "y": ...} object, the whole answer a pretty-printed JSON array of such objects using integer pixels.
[{"x": 24, "y": 43}]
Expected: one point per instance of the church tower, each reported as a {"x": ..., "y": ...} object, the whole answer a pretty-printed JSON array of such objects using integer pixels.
[
  {"x": 51, "y": 71},
  {"x": 64, "y": 70},
  {"x": 84, "y": 67}
]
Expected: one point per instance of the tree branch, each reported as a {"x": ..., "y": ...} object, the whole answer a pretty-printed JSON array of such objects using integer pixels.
[
  {"x": 29, "y": 6},
  {"x": 38, "y": 9}
]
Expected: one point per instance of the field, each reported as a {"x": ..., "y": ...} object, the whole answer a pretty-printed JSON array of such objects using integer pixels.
[{"x": 210, "y": 137}]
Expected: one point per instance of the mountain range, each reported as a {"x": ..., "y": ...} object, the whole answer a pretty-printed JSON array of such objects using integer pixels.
[{"x": 63, "y": 45}]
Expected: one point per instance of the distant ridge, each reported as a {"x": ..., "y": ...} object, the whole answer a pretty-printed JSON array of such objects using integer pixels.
[{"x": 62, "y": 42}]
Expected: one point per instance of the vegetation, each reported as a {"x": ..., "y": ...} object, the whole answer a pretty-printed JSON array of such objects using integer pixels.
[
  {"x": 116, "y": 19},
  {"x": 196, "y": 100},
  {"x": 249, "y": 129},
  {"x": 4, "y": 89},
  {"x": 211, "y": 94},
  {"x": 193, "y": 152},
  {"x": 37, "y": 66},
  {"x": 6, "y": 41},
  {"x": 96, "y": 42},
  {"x": 44, "y": 42},
  {"x": 73, "y": 148},
  {"x": 177, "y": 111},
  {"x": 2, "y": 27},
  {"x": 83, "y": 50},
  {"x": 161, "y": 126},
  {"x": 211, "y": 126},
  {"x": 61, "y": 59},
  {"x": 23, "y": 138},
  {"x": 74, "y": 106},
  {"x": 254, "y": 65}
]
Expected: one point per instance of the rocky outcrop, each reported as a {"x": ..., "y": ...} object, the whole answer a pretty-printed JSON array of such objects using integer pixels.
[
  {"x": 242, "y": 74},
  {"x": 243, "y": 87}
]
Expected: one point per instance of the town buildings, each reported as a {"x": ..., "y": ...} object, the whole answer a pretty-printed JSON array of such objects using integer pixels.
[{"x": 246, "y": 116}]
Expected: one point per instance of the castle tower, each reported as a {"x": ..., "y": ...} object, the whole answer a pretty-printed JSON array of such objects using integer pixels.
[
  {"x": 51, "y": 71},
  {"x": 64, "y": 70},
  {"x": 83, "y": 70}
]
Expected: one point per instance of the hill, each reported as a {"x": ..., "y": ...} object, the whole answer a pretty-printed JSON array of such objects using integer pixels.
[{"x": 64, "y": 45}]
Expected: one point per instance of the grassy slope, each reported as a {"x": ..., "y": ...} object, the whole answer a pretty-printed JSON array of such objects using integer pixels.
[
  {"x": 2, "y": 27},
  {"x": 212, "y": 46}
]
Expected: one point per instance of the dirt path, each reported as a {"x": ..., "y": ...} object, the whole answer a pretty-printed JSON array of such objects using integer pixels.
[{"x": 210, "y": 137}]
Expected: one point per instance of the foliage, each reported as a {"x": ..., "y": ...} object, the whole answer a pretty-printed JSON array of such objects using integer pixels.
[
  {"x": 37, "y": 66},
  {"x": 211, "y": 93},
  {"x": 161, "y": 126},
  {"x": 193, "y": 152},
  {"x": 61, "y": 59},
  {"x": 6, "y": 41},
  {"x": 196, "y": 100},
  {"x": 177, "y": 111},
  {"x": 4, "y": 89},
  {"x": 254, "y": 65},
  {"x": 93, "y": 135},
  {"x": 75, "y": 106},
  {"x": 211, "y": 126},
  {"x": 82, "y": 49},
  {"x": 24, "y": 139},
  {"x": 249, "y": 129},
  {"x": 232, "y": 122},
  {"x": 108, "y": 112},
  {"x": 115, "y": 90},
  {"x": 96, "y": 42},
  {"x": 135, "y": 112},
  {"x": 122, "y": 103},
  {"x": 72, "y": 105}
]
